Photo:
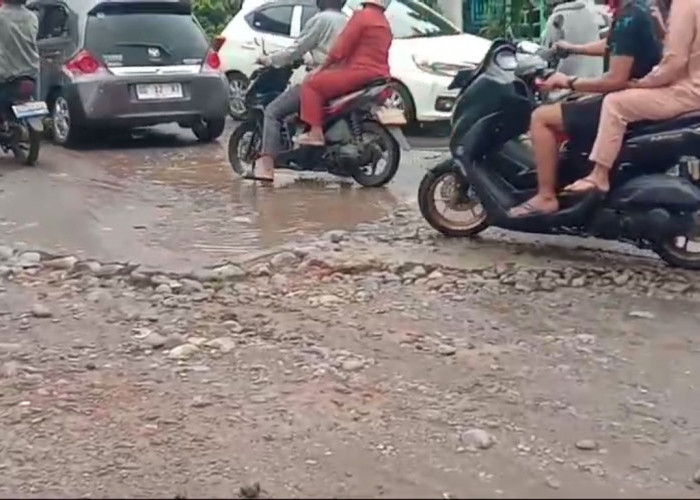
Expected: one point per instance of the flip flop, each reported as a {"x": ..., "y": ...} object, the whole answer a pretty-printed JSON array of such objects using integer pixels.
[
  {"x": 567, "y": 191},
  {"x": 305, "y": 140},
  {"x": 530, "y": 210},
  {"x": 253, "y": 177}
]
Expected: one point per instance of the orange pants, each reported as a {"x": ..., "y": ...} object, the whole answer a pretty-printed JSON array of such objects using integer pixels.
[{"x": 328, "y": 84}]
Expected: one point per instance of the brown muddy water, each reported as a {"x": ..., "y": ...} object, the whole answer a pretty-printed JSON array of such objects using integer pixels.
[{"x": 160, "y": 198}]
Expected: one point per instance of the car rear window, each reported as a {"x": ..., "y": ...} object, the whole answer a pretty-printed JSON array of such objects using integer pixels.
[{"x": 145, "y": 37}]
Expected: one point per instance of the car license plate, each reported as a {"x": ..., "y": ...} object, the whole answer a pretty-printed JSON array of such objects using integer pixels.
[
  {"x": 153, "y": 91},
  {"x": 30, "y": 109}
]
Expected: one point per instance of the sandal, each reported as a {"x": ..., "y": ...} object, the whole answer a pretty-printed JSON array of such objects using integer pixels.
[
  {"x": 592, "y": 188},
  {"x": 307, "y": 140},
  {"x": 253, "y": 177},
  {"x": 529, "y": 210}
]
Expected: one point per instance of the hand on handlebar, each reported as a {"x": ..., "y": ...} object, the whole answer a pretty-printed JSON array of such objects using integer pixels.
[
  {"x": 263, "y": 60},
  {"x": 564, "y": 48},
  {"x": 553, "y": 82}
]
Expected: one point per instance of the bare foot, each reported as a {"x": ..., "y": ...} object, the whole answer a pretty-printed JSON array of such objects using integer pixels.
[
  {"x": 263, "y": 170},
  {"x": 535, "y": 206}
]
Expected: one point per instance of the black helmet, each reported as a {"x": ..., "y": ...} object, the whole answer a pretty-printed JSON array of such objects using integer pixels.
[{"x": 330, "y": 4}]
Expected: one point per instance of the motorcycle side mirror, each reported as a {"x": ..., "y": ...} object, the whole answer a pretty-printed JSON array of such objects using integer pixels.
[{"x": 558, "y": 22}]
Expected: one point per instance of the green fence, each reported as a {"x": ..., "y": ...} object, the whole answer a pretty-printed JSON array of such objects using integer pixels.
[{"x": 493, "y": 17}]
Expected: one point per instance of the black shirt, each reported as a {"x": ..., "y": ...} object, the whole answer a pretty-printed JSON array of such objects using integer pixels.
[{"x": 633, "y": 34}]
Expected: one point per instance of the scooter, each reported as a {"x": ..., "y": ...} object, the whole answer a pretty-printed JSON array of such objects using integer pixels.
[
  {"x": 21, "y": 122},
  {"x": 363, "y": 141},
  {"x": 654, "y": 201}
]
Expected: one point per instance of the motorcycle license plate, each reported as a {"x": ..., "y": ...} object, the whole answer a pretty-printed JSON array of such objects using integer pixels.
[{"x": 31, "y": 109}]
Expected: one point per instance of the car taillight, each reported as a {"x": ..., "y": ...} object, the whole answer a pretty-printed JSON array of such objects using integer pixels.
[
  {"x": 83, "y": 63},
  {"x": 218, "y": 43},
  {"x": 213, "y": 61}
]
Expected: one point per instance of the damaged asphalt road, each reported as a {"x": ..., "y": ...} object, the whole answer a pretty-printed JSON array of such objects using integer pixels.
[{"x": 375, "y": 360}]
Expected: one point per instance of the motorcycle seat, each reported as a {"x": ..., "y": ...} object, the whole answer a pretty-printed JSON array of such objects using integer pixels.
[
  {"x": 334, "y": 103},
  {"x": 655, "y": 127}
]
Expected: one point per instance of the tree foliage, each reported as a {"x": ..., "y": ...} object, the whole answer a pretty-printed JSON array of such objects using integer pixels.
[{"x": 214, "y": 15}]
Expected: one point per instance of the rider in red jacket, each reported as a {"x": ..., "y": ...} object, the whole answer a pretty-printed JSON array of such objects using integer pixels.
[{"x": 359, "y": 55}]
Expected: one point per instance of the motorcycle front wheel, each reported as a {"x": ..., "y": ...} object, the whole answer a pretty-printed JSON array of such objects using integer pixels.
[
  {"x": 25, "y": 143},
  {"x": 441, "y": 186},
  {"x": 244, "y": 147}
]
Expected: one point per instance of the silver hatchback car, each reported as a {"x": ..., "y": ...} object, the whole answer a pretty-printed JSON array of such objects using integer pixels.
[{"x": 120, "y": 64}]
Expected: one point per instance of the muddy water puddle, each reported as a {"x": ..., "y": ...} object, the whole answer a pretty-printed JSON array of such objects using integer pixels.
[
  {"x": 162, "y": 199},
  {"x": 191, "y": 202}
]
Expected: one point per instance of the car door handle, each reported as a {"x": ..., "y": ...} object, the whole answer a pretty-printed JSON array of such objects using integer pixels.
[{"x": 248, "y": 46}]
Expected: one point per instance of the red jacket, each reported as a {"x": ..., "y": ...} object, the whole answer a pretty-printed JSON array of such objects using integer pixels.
[{"x": 364, "y": 43}]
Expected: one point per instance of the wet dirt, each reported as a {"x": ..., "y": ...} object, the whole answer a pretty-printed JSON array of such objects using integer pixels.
[
  {"x": 346, "y": 374},
  {"x": 160, "y": 198}
]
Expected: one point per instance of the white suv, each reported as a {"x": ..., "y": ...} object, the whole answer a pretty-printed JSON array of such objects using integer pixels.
[{"x": 426, "y": 53}]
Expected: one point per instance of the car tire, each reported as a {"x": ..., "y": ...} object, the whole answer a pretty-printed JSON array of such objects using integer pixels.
[
  {"x": 209, "y": 130},
  {"x": 237, "y": 85},
  {"x": 63, "y": 131},
  {"x": 403, "y": 100}
]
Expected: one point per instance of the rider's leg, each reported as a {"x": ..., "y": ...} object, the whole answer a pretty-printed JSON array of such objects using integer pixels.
[
  {"x": 545, "y": 122},
  {"x": 624, "y": 107},
  {"x": 284, "y": 105},
  {"x": 318, "y": 89}
]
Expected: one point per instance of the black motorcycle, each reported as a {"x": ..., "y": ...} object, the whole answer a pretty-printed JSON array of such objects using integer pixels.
[
  {"x": 654, "y": 200},
  {"x": 360, "y": 143},
  {"x": 21, "y": 120}
]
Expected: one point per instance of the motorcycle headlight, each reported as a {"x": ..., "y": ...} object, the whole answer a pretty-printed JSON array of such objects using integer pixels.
[{"x": 442, "y": 69}]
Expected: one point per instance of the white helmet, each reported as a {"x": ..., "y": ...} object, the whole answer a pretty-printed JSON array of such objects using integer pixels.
[{"x": 384, "y": 4}]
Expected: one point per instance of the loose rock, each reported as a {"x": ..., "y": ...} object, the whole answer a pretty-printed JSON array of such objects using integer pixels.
[
  {"x": 155, "y": 340},
  {"x": 446, "y": 350},
  {"x": 477, "y": 439},
  {"x": 642, "y": 314},
  {"x": 352, "y": 365},
  {"x": 29, "y": 259},
  {"x": 221, "y": 273},
  {"x": 190, "y": 286},
  {"x": 250, "y": 491},
  {"x": 586, "y": 444},
  {"x": 41, "y": 311},
  {"x": 164, "y": 289},
  {"x": 64, "y": 263},
  {"x": 223, "y": 344},
  {"x": 283, "y": 259},
  {"x": 184, "y": 351},
  {"x": 696, "y": 477}
]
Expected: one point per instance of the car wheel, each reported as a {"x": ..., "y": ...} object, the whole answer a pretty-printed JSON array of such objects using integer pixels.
[
  {"x": 63, "y": 131},
  {"x": 401, "y": 99},
  {"x": 237, "y": 86},
  {"x": 209, "y": 130}
]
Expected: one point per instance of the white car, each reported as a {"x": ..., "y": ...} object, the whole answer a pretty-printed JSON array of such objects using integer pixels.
[{"x": 426, "y": 53}]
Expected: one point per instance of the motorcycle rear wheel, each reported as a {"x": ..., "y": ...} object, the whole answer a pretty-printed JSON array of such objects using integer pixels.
[
  {"x": 675, "y": 252},
  {"x": 376, "y": 136},
  {"x": 456, "y": 199},
  {"x": 25, "y": 143}
]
